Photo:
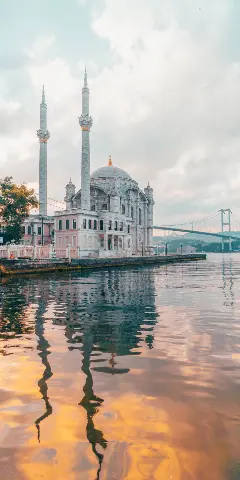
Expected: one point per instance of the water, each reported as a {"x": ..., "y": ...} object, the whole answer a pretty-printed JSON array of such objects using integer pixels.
[{"x": 122, "y": 374}]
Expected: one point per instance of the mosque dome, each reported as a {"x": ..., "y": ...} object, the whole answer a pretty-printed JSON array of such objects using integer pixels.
[{"x": 110, "y": 172}]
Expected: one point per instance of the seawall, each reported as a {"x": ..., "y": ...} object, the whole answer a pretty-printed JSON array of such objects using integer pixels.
[{"x": 22, "y": 267}]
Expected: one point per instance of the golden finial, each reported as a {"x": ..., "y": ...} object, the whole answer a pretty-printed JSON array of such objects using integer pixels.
[{"x": 110, "y": 161}]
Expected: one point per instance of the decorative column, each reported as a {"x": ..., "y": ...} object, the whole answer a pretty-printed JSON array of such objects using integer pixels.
[
  {"x": 145, "y": 226},
  {"x": 137, "y": 222},
  {"x": 43, "y": 135},
  {"x": 85, "y": 122},
  {"x": 149, "y": 194}
]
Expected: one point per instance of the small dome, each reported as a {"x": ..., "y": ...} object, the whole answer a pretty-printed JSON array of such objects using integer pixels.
[{"x": 110, "y": 172}]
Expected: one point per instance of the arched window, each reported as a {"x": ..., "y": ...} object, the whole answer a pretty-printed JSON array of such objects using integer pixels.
[
  {"x": 123, "y": 209},
  {"x": 29, "y": 230},
  {"x": 95, "y": 225},
  {"x": 93, "y": 208},
  {"x": 60, "y": 225},
  {"x": 129, "y": 228},
  {"x": 101, "y": 224},
  {"x": 67, "y": 224},
  {"x": 115, "y": 225},
  {"x": 89, "y": 224},
  {"x": 131, "y": 212},
  {"x": 110, "y": 225},
  {"x": 120, "y": 243},
  {"x": 104, "y": 207},
  {"x": 121, "y": 227},
  {"x": 74, "y": 224},
  {"x": 84, "y": 223}
]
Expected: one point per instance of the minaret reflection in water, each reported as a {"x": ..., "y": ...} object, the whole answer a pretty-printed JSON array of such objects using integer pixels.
[
  {"x": 90, "y": 402},
  {"x": 42, "y": 347},
  {"x": 111, "y": 312}
]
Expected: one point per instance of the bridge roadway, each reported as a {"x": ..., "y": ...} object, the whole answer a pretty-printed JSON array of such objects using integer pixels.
[{"x": 184, "y": 230}]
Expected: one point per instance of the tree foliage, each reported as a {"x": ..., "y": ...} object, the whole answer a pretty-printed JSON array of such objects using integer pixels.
[{"x": 16, "y": 201}]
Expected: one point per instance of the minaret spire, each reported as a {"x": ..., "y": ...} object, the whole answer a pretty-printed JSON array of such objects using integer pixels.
[
  {"x": 85, "y": 78},
  {"x": 43, "y": 135},
  {"x": 43, "y": 95},
  {"x": 85, "y": 122}
]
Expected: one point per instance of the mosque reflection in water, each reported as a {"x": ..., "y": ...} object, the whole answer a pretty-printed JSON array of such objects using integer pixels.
[{"x": 103, "y": 317}]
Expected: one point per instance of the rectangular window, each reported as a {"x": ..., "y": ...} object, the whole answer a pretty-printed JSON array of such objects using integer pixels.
[
  {"x": 121, "y": 227},
  {"x": 110, "y": 225},
  {"x": 29, "y": 230},
  {"x": 101, "y": 224},
  {"x": 95, "y": 225},
  {"x": 74, "y": 224},
  {"x": 129, "y": 228},
  {"x": 23, "y": 230},
  {"x": 84, "y": 223},
  {"x": 115, "y": 225},
  {"x": 131, "y": 212},
  {"x": 89, "y": 224},
  {"x": 60, "y": 225},
  {"x": 67, "y": 224},
  {"x": 39, "y": 230},
  {"x": 140, "y": 216}
]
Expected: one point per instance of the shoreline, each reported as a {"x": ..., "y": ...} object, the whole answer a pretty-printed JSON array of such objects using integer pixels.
[{"x": 26, "y": 267}]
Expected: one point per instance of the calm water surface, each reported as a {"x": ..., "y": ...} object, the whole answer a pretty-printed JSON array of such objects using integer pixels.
[{"x": 127, "y": 374}]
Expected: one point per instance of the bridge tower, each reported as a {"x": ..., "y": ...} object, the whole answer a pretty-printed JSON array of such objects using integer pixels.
[{"x": 226, "y": 222}]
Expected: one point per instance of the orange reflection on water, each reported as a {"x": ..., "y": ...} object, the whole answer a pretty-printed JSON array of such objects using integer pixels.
[{"x": 100, "y": 384}]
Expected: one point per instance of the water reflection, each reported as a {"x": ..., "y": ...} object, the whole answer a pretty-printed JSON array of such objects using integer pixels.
[
  {"x": 227, "y": 277},
  {"x": 91, "y": 403},
  {"x": 125, "y": 374},
  {"x": 43, "y": 349}
]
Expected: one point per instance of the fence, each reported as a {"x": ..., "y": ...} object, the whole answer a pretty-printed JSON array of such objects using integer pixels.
[{"x": 14, "y": 252}]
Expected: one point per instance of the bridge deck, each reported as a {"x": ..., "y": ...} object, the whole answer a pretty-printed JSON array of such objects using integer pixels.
[{"x": 184, "y": 230}]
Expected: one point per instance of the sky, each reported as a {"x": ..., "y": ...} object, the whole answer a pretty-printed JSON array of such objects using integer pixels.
[{"x": 164, "y": 78}]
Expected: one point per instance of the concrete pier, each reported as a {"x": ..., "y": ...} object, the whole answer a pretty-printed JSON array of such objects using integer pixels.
[{"x": 22, "y": 267}]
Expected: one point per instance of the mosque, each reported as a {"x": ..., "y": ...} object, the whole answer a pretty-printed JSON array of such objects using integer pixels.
[{"x": 110, "y": 215}]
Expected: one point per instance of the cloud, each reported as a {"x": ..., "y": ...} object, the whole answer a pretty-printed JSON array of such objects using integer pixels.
[
  {"x": 40, "y": 46},
  {"x": 164, "y": 94}
]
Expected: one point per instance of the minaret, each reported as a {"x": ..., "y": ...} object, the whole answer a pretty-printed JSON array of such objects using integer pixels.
[
  {"x": 43, "y": 135},
  {"x": 85, "y": 123}
]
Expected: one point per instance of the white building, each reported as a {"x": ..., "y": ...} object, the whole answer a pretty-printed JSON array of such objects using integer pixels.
[{"x": 110, "y": 215}]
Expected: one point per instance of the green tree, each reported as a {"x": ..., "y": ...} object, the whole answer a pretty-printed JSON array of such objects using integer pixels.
[{"x": 16, "y": 201}]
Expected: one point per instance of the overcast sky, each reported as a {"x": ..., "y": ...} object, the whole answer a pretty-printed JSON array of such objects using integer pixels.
[{"x": 164, "y": 78}]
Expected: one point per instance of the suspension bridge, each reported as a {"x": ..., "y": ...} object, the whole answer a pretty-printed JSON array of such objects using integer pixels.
[{"x": 226, "y": 226}]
